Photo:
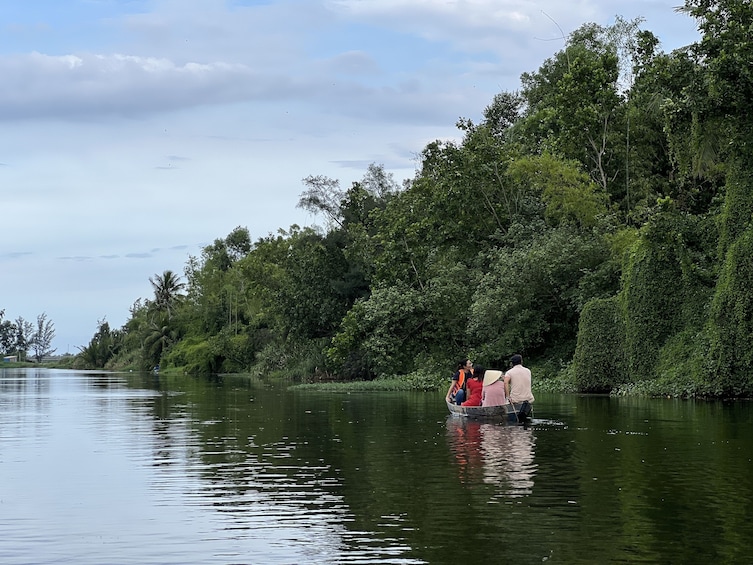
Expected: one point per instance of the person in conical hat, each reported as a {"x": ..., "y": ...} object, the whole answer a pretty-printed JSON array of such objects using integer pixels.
[{"x": 493, "y": 393}]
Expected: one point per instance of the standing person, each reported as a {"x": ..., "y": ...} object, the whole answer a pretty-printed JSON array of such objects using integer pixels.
[
  {"x": 475, "y": 387},
  {"x": 456, "y": 392},
  {"x": 518, "y": 381},
  {"x": 493, "y": 393}
]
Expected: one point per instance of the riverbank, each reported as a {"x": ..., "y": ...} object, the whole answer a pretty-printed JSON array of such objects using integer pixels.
[{"x": 424, "y": 381}]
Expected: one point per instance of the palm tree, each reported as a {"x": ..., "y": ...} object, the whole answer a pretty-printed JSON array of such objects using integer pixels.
[
  {"x": 167, "y": 289},
  {"x": 158, "y": 340}
]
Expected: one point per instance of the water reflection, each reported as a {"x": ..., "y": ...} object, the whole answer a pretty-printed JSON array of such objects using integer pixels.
[
  {"x": 464, "y": 437},
  {"x": 497, "y": 454},
  {"x": 509, "y": 457}
]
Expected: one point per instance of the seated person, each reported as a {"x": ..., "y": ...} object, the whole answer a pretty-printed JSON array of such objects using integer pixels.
[
  {"x": 475, "y": 387},
  {"x": 493, "y": 393},
  {"x": 518, "y": 381},
  {"x": 456, "y": 392}
]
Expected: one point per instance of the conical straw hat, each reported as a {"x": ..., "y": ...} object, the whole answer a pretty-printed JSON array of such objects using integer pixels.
[{"x": 491, "y": 376}]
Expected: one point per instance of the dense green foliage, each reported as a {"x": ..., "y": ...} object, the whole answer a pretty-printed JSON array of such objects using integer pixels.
[
  {"x": 599, "y": 361},
  {"x": 597, "y": 221}
]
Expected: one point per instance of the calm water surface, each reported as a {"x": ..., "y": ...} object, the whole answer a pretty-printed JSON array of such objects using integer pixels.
[{"x": 119, "y": 469}]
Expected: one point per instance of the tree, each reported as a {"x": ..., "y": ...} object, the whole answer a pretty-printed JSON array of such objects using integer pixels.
[
  {"x": 502, "y": 113},
  {"x": 7, "y": 334},
  {"x": 103, "y": 346},
  {"x": 323, "y": 195},
  {"x": 574, "y": 103},
  {"x": 529, "y": 299},
  {"x": 41, "y": 339},
  {"x": 167, "y": 289},
  {"x": 658, "y": 153},
  {"x": 238, "y": 243},
  {"x": 158, "y": 341},
  {"x": 569, "y": 194},
  {"x": 318, "y": 287},
  {"x": 396, "y": 327},
  {"x": 24, "y": 333}
]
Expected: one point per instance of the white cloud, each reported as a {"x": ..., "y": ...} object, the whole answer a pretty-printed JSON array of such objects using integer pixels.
[
  {"x": 87, "y": 86},
  {"x": 38, "y": 85},
  {"x": 473, "y": 25},
  {"x": 353, "y": 63}
]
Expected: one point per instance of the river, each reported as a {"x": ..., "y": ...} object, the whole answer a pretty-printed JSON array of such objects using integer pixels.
[{"x": 102, "y": 468}]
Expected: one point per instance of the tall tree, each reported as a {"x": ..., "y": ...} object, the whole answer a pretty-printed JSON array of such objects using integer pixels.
[
  {"x": 167, "y": 289},
  {"x": 7, "y": 334},
  {"x": 575, "y": 103},
  {"x": 103, "y": 346},
  {"x": 24, "y": 333},
  {"x": 41, "y": 340},
  {"x": 157, "y": 341},
  {"x": 323, "y": 195}
]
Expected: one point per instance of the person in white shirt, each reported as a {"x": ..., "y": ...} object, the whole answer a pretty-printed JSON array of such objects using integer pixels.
[{"x": 518, "y": 381}]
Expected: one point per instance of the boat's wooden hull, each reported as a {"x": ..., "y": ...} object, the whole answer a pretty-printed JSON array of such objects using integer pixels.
[{"x": 507, "y": 412}]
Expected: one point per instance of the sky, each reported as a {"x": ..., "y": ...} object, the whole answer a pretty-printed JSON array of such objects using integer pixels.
[{"x": 135, "y": 132}]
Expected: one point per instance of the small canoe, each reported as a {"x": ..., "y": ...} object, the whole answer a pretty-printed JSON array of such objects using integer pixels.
[{"x": 508, "y": 412}]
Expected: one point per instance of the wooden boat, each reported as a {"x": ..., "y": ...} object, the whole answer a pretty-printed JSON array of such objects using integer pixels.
[{"x": 507, "y": 412}]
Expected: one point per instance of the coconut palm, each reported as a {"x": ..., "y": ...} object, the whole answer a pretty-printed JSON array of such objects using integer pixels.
[
  {"x": 158, "y": 340},
  {"x": 167, "y": 287}
]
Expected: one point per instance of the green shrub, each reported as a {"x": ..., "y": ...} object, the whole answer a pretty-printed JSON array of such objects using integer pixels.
[
  {"x": 302, "y": 359},
  {"x": 680, "y": 367},
  {"x": 599, "y": 362},
  {"x": 194, "y": 355}
]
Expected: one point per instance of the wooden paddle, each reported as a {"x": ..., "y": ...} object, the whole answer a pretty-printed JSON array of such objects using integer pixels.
[{"x": 513, "y": 409}]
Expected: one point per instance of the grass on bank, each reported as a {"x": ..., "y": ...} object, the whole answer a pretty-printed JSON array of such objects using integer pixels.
[
  {"x": 545, "y": 380},
  {"x": 35, "y": 365}
]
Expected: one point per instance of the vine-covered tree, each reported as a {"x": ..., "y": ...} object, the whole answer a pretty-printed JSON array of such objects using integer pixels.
[{"x": 719, "y": 101}]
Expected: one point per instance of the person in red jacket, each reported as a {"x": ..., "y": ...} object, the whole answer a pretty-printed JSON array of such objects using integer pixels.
[{"x": 475, "y": 387}]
